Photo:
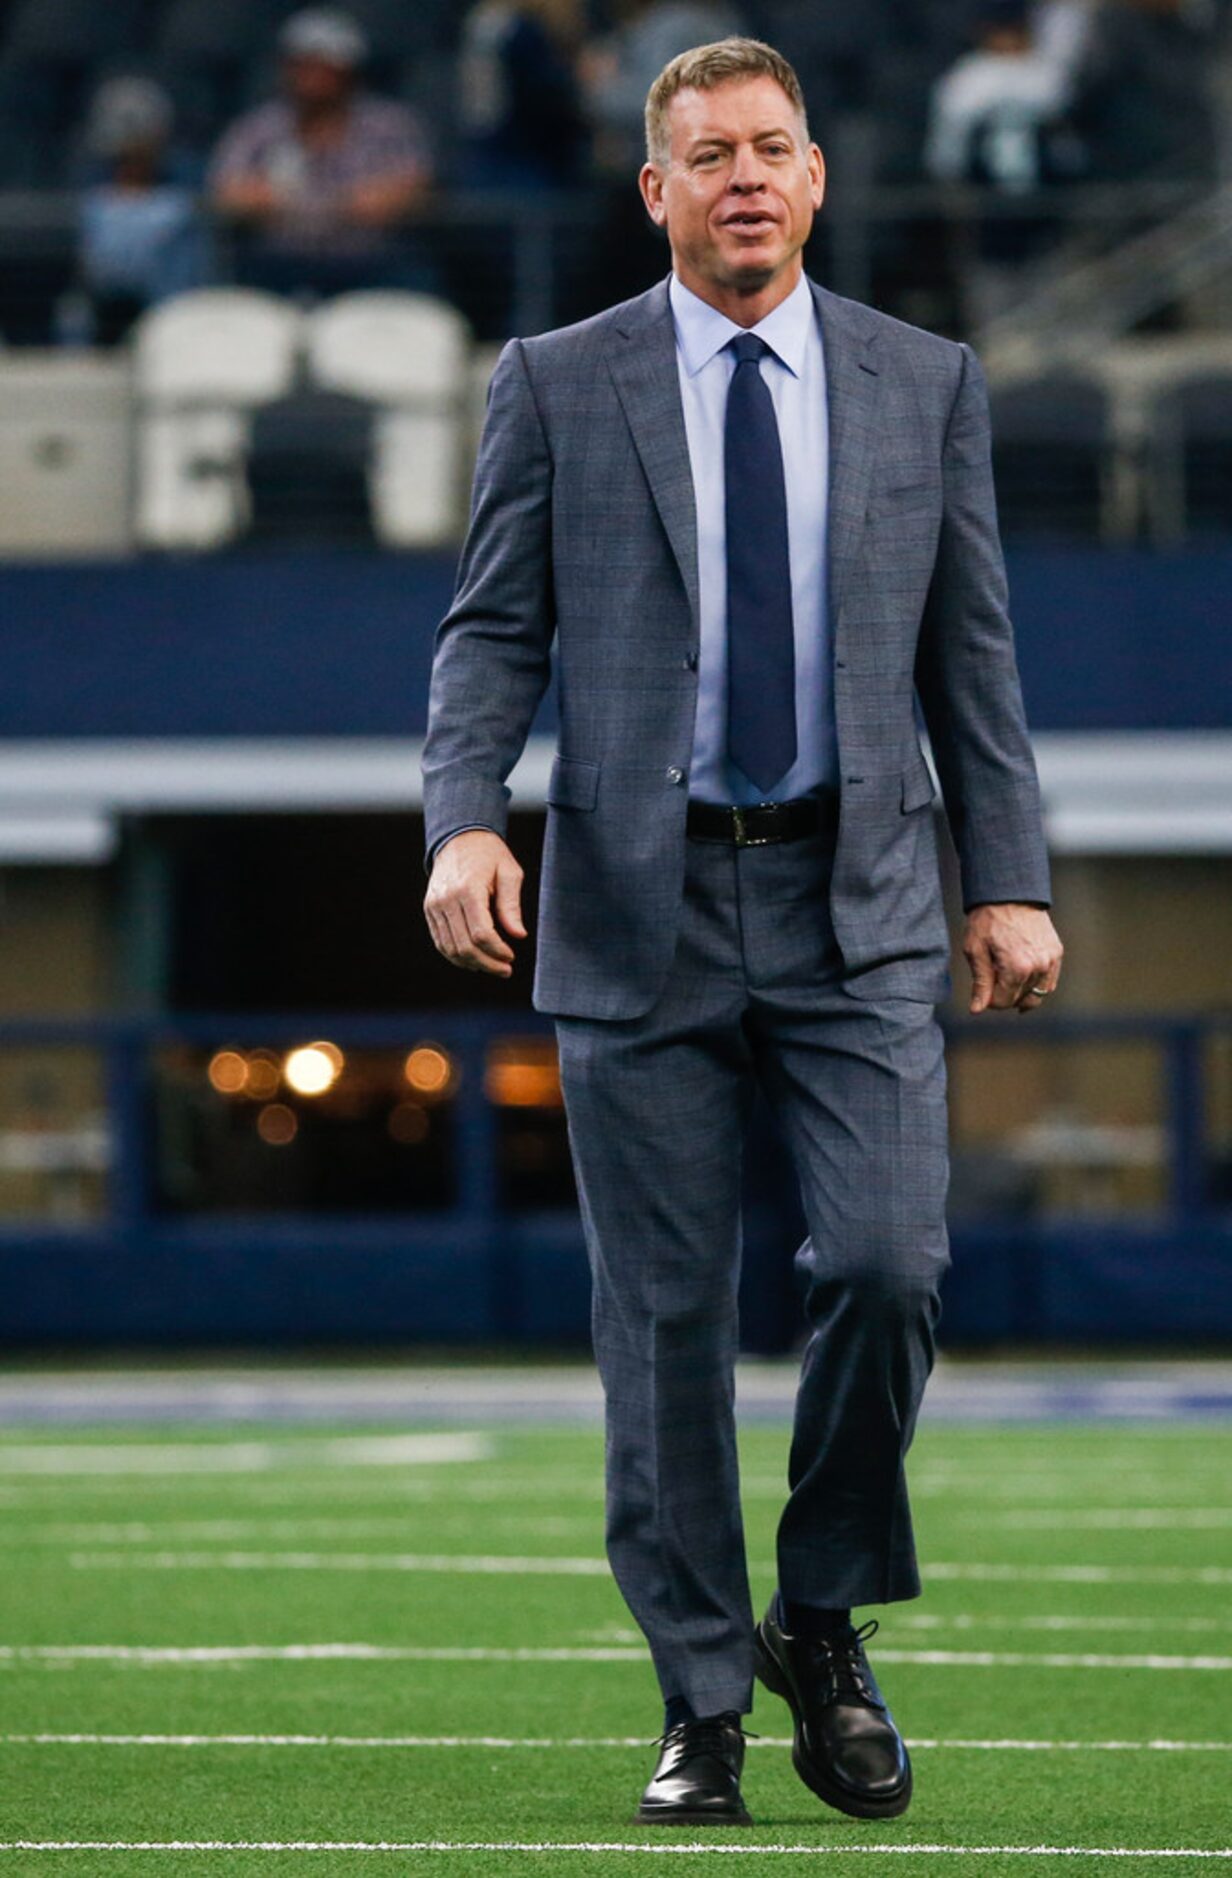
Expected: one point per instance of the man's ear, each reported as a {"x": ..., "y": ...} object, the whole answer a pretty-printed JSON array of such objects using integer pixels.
[
  {"x": 817, "y": 174},
  {"x": 650, "y": 182}
]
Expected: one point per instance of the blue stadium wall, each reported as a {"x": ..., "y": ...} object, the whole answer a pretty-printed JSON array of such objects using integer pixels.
[
  {"x": 340, "y": 644},
  {"x": 324, "y": 645}
]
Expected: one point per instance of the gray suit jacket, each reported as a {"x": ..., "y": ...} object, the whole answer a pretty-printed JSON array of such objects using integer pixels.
[{"x": 583, "y": 531}]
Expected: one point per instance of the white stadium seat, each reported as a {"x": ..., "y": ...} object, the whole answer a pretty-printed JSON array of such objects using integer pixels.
[
  {"x": 220, "y": 345},
  {"x": 202, "y": 363},
  {"x": 409, "y": 355},
  {"x": 389, "y": 347}
]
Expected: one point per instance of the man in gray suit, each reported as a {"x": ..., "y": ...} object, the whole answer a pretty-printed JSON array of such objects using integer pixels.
[{"x": 758, "y": 521}]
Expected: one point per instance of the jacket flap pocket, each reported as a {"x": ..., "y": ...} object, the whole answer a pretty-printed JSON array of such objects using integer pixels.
[
  {"x": 918, "y": 786},
  {"x": 573, "y": 783}
]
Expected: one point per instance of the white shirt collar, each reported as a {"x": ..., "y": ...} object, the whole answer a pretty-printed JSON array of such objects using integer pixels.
[{"x": 702, "y": 331}]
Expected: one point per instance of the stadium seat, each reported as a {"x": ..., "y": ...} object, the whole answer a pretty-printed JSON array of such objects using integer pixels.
[
  {"x": 204, "y": 49},
  {"x": 1189, "y": 460},
  {"x": 1052, "y": 455},
  {"x": 202, "y": 364},
  {"x": 309, "y": 464},
  {"x": 409, "y": 355},
  {"x": 75, "y": 30}
]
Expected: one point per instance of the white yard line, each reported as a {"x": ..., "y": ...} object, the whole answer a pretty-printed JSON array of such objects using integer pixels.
[
  {"x": 1049, "y": 1659},
  {"x": 161, "y": 1655},
  {"x": 324, "y": 1652},
  {"x": 1049, "y": 1621},
  {"x": 453, "y": 1563},
  {"x": 144, "y": 1532},
  {"x": 531, "y": 1742},
  {"x": 881, "y": 1848},
  {"x": 589, "y": 1567},
  {"x": 1110, "y": 1518},
  {"x": 551, "y": 1483},
  {"x": 151, "y": 1531},
  {"x": 240, "y": 1457},
  {"x": 1082, "y": 1574},
  {"x": 381, "y": 1489}
]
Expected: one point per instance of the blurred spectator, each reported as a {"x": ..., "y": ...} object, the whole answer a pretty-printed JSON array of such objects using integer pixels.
[
  {"x": 522, "y": 119},
  {"x": 1060, "y": 29},
  {"x": 1144, "y": 101},
  {"x": 998, "y": 118},
  {"x": 619, "y": 72},
  {"x": 993, "y": 114},
  {"x": 324, "y": 179},
  {"x": 141, "y": 238}
]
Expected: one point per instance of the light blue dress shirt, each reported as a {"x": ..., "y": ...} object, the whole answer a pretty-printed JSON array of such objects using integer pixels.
[{"x": 795, "y": 374}]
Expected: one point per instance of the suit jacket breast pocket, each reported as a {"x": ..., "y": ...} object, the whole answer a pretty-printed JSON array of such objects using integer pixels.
[
  {"x": 906, "y": 498},
  {"x": 902, "y": 491}
]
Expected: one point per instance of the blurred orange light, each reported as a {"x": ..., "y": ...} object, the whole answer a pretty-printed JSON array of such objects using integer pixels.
[
  {"x": 264, "y": 1073},
  {"x": 408, "y": 1123},
  {"x": 277, "y": 1124},
  {"x": 522, "y": 1073},
  {"x": 428, "y": 1069},
  {"x": 310, "y": 1071},
  {"x": 228, "y": 1072},
  {"x": 330, "y": 1050}
]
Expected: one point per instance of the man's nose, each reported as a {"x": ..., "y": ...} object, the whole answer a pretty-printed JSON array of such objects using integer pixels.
[{"x": 747, "y": 171}]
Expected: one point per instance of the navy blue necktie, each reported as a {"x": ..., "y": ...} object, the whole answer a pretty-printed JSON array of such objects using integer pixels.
[{"x": 761, "y": 655}]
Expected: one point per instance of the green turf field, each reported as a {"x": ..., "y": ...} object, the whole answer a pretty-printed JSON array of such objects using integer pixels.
[{"x": 169, "y": 1597}]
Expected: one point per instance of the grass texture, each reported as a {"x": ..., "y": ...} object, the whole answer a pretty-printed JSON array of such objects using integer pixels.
[{"x": 163, "y": 1587}]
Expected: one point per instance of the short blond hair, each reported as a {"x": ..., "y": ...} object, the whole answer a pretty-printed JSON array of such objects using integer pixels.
[{"x": 704, "y": 67}]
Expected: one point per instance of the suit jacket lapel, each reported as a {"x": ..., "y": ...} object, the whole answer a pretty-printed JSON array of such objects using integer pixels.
[
  {"x": 642, "y": 360},
  {"x": 853, "y": 395}
]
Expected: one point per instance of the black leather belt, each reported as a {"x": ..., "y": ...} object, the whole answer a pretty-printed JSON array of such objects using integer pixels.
[{"x": 764, "y": 822}]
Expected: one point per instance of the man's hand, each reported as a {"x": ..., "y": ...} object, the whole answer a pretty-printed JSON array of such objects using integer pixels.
[
  {"x": 250, "y": 199},
  {"x": 1011, "y": 949},
  {"x": 473, "y": 870},
  {"x": 381, "y": 201}
]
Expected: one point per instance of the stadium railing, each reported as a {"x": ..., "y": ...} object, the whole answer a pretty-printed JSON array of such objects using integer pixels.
[
  {"x": 523, "y": 256},
  {"x": 1090, "y": 1212}
]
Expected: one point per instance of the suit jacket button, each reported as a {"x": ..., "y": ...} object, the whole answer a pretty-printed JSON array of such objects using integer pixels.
[
  {"x": 675, "y": 775},
  {"x": 690, "y": 664}
]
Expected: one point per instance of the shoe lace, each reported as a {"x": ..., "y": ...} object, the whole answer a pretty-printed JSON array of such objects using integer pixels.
[
  {"x": 710, "y": 1734},
  {"x": 845, "y": 1663}
]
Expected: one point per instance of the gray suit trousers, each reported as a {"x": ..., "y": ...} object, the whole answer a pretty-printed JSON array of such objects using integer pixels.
[{"x": 656, "y": 1108}]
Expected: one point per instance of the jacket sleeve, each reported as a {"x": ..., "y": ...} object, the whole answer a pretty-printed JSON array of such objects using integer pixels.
[
  {"x": 967, "y": 675},
  {"x": 492, "y": 658}
]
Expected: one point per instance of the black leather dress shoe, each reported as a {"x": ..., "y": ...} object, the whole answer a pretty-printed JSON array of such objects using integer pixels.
[
  {"x": 697, "y": 1780},
  {"x": 846, "y": 1746}
]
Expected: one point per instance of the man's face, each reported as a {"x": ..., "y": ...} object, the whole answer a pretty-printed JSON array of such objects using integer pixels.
[
  {"x": 741, "y": 189},
  {"x": 313, "y": 82}
]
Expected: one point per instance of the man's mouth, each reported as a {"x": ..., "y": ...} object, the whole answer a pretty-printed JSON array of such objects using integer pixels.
[{"x": 749, "y": 218}]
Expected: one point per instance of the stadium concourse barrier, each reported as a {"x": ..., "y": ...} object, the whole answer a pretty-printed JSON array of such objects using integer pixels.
[{"x": 139, "y": 1266}]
